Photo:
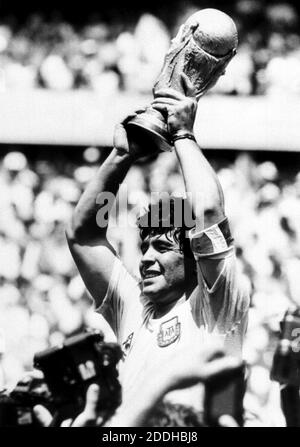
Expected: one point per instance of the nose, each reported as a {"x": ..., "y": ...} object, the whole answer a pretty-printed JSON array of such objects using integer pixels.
[{"x": 148, "y": 258}]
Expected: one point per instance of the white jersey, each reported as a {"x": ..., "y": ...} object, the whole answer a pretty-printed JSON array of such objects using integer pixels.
[{"x": 146, "y": 340}]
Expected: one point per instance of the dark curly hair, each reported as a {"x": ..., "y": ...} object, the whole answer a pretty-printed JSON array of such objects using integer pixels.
[
  {"x": 169, "y": 219},
  {"x": 168, "y": 414}
]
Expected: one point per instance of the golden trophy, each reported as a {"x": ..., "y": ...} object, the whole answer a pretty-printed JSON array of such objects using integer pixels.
[{"x": 202, "y": 49}]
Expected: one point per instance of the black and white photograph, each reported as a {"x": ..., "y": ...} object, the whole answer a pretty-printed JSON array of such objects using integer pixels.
[{"x": 150, "y": 216}]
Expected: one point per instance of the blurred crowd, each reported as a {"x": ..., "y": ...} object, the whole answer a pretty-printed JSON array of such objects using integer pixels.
[
  {"x": 43, "y": 299},
  {"x": 119, "y": 56}
]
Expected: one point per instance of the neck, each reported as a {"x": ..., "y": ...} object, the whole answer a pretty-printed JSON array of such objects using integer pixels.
[{"x": 162, "y": 310}]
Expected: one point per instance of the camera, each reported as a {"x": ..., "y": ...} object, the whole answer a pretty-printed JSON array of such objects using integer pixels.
[
  {"x": 16, "y": 407},
  {"x": 70, "y": 369},
  {"x": 286, "y": 361}
]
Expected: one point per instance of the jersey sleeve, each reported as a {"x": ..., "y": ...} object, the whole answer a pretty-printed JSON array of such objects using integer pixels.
[
  {"x": 213, "y": 242},
  {"x": 223, "y": 307},
  {"x": 122, "y": 293}
]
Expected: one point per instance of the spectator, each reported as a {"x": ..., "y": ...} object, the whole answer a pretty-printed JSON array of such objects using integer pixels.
[{"x": 107, "y": 58}]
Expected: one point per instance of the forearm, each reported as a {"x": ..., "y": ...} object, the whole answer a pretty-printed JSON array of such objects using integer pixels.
[
  {"x": 201, "y": 183},
  {"x": 107, "y": 180}
]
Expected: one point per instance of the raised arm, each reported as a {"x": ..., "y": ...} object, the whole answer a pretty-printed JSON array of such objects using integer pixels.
[
  {"x": 203, "y": 189},
  {"x": 92, "y": 253}
]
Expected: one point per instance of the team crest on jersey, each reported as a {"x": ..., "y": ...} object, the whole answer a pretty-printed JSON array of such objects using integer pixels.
[{"x": 169, "y": 332}]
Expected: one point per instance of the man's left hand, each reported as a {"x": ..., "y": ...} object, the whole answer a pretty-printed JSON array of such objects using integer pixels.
[{"x": 180, "y": 108}]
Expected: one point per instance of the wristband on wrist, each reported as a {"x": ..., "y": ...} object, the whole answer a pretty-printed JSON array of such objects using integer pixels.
[{"x": 182, "y": 135}]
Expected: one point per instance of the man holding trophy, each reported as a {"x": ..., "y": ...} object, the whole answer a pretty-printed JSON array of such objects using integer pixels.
[{"x": 189, "y": 291}]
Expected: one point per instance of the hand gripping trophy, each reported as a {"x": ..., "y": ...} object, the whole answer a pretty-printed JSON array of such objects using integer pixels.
[{"x": 202, "y": 49}]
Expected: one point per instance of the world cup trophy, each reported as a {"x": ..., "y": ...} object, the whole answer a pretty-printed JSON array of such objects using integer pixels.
[{"x": 202, "y": 49}]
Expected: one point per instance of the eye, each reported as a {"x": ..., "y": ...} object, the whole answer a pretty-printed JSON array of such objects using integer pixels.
[
  {"x": 144, "y": 248},
  {"x": 162, "y": 248}
]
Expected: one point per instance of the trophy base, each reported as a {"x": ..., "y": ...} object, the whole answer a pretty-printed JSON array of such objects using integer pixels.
[{"x": 154, "y": 129}]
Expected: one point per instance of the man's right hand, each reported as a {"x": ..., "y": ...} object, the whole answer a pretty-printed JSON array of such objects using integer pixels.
[
  {"x": 134, "y": 145},
  {"x": 121, "y": 141}
]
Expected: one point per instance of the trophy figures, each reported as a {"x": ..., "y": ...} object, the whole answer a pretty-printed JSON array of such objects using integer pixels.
[{"x": 202, "y": 49}]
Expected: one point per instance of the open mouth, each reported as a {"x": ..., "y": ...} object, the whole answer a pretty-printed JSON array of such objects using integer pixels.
[{"x": 148, "y": 274}]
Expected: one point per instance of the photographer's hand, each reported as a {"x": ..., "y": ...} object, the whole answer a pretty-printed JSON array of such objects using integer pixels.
[
  {"x": 43, "y": 416},
  {"x": 88, "y": 418},
  {"x": 200, "y": 363},
  {"x": 227, "y": 421}
]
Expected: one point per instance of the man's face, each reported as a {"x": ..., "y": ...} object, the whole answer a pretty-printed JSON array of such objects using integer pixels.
[{"x": 162, "y": 269}]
